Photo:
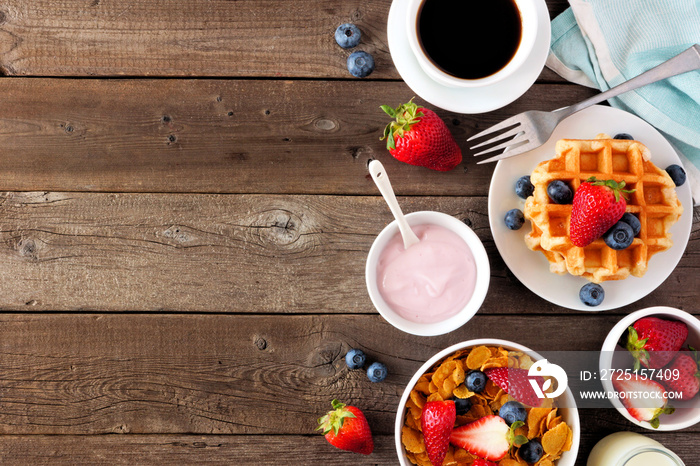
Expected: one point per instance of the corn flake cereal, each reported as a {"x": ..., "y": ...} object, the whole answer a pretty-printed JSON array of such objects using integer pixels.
[
  {"x": 553, "y": 441},
  {"x": 445, "y": 381},
  {"x": 478, "y": 356}
]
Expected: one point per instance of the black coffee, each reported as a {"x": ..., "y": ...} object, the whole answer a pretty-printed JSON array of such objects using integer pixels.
[{"x": 469, "y": 39}]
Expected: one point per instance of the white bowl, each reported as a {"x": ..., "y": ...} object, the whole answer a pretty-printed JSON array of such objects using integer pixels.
[
  {"x": 483, "y": 274},
  {"x": 613, "y": 356},
  {"x": 569, "y": 415},
  {"x": 529, "y": 23}
]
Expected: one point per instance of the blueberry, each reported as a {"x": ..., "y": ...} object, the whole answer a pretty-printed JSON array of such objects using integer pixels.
[
  {"x": 560, "y": 192},
  {"x": 360, "y": 64},
  {"x": 513, "y": 411},
  {"x": 463, "y": 405},
  {"x": 355, "y": 359},
  {"x": 524, "y": 187},
  {"x": 619, "y": 237},
  {"x": 514, "y": 219},
  {"x": 591, "y": 294},
  {"x": 532, "y": 451},
  {"x": 347, "y": 35},
  {"x": 677, "y": 174},
  {"x": 376, "y": 372},
  {"x": 623, "y": 136},
  {"x": 633, "y": 221},
  {"x": 475, "y": 381}
]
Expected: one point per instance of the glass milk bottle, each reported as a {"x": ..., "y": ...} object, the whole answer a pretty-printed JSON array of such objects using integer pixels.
[{"x": 631, "y": 449}]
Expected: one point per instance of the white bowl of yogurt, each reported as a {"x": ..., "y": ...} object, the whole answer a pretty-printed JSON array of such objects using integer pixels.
[{"x": 433, "y": 287}]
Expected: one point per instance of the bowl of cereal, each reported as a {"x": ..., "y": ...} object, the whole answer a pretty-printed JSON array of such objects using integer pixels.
[
  {"x": 647, "y": 361},
  {"x": 499, "y": 416}
]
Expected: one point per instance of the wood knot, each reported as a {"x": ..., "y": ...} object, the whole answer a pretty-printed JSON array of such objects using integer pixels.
[
  {"x": 121, "y": 429},
  {"x": 279, "y": 227},
  {"x": 260, "y": 343},
  {"x": 323, "y": 357},
  {"x": 325, "y": 124},
  {"x": 360, "y": 151},
  {"x": 27, "y": 247},
  {"x": 178, "y": 235}
]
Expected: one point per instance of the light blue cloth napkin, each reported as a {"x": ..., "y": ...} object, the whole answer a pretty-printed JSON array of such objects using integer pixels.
[{"x": 602, "y": 43}]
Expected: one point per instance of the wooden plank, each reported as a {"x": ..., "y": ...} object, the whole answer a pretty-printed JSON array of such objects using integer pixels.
[
  {"x": 250, "y": 38},
  {"x": 78, "y": 374},
  {"x": 239, "y": 449},
  {"x": 271, "y": 450},
  {"x": 225, "y": 136},
  {"x": 230, "y": 253}
]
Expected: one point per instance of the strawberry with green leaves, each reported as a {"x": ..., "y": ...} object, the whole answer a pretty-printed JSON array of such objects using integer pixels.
[
  {"x": 419, "y": 137},
  {"x": 345, "y": 427},
  {"x": 653, "y": 342},
  {"x": 437, "y": 420},
  {"x": 597, "y": 206}
]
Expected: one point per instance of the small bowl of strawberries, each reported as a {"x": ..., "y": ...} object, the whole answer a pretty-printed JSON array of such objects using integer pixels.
[{"x": 651, "y": 359}]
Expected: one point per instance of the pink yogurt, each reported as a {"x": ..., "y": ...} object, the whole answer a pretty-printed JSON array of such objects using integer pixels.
[{"x": 430, "y": 281}]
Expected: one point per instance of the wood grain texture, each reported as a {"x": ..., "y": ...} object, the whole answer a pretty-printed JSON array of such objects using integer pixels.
[
  {"x": 172, "y": 374},
  {"x": 186, "y": 450},
  {"x": 220, "y": 136},
  {"x": 239, "y": 449},
  {"x": 231, "y": 253},
  {"x": 244, "y": 38}
]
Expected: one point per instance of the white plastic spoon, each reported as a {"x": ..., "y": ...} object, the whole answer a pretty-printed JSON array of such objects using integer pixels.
[{"x": 376, "y": 170}]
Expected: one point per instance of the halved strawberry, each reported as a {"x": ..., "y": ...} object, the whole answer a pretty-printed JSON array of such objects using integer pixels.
[
  {"x": 644, "y": 399},
  {"x": 516, "y": 383},
  {"x": 437, "y": 420},
  {"x": 486, "y": 437}
]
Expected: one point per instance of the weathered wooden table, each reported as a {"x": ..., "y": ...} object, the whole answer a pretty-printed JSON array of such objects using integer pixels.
[{"x": 184, "y": 224}]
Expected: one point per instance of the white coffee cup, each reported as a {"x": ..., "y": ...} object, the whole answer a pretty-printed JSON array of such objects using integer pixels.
[{"x": 529, "y": 24}]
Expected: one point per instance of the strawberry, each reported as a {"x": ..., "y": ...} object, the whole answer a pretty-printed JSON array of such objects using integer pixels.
[
  {"x": 345, "y": 427},
  {"x": 483, "y": 462},
  {"x": 597, "y": 206},
  {"x": 486, "y": 437},
  {"x": 654, "y": 342},
  {"x": 516, "y": 383},
  {"x": 437, "y": 420},
  {"x": 419, "y": 137},
  {"x": 687, "y": 384},
  {"x": 644, "y": 399}
]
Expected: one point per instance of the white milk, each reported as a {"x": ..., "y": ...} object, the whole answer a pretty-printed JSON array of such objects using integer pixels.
[{"x": 631, "y": 449}]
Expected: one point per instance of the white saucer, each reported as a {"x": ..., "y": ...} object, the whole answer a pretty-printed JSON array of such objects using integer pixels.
[
  {"x": 530, "y": 267},
  {"x": 464, "y": 100}
]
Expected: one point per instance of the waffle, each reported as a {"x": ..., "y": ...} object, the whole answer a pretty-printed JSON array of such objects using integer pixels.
[{"x": 654, "y": 202}]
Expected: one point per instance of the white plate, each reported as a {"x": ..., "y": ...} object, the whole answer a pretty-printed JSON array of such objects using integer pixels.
[
  {"x": 464, "y": 100},
  {"x": 531, "y": 267}
]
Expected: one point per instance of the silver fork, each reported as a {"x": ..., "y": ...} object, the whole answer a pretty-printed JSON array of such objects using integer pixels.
[{"x": 531, "y": 129}]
